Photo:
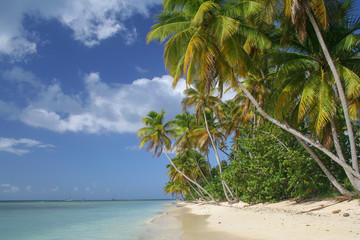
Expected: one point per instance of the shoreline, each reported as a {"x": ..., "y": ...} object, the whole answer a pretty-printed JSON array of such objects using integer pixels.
[{"x": 284, "y": 220}]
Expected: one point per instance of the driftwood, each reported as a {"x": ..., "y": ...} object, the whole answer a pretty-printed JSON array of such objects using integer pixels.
[{"x": 324, "y": 206}]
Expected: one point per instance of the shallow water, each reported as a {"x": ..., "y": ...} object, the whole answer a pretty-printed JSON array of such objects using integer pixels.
[
  {"x": 87, "y": 220},
  {"x": 166, "y": 226}
]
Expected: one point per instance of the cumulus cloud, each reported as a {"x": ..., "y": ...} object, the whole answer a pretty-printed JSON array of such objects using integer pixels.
[
  {"x": 20, "y": 146},
  {"x": 55, "y": 189},
  {"x": 91, "y": 21},
  {"x": 102, "y": 107}
]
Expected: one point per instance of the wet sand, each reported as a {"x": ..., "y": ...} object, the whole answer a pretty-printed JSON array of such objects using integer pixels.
[{"x": 197, "y": 227}]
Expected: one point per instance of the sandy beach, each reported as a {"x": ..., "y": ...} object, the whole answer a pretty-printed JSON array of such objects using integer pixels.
[{"x": 325, "y": 219}]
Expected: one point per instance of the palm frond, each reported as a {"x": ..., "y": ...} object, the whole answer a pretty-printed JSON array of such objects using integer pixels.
[{"x": 205, "y": 7}]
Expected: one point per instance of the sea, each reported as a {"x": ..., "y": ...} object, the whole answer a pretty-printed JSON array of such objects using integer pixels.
[{"x": 87, "y": 220}]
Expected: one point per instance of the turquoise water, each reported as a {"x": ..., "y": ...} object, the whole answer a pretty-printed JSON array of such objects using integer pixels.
[{"x": 88, "y": 220}]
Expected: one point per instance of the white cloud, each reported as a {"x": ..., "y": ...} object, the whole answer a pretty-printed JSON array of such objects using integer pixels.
[
  {"x": 105, "y": 108},
  {"x": 132, "y": 148},
  {"x": 55, "y": 189},
  {"x": 12, "y": 189},
  {"x": 19, "y": 76},
  {"x": 91, "y": 21},
  {"x": 76, "y": 189},
  {"x": 8, "y": 188},
  {"x": 20, "y": 146},
  {"x": 28, "y": 188},
  {"x": 141, "y": 70}
]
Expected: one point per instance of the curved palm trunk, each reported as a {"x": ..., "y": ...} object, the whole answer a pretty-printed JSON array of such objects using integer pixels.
[
  {"x": 328, "y": 174},
  {"x": 189, "y": 179},
  {"x": 192, "y": 195},
  {"x": 198, "y": 193},
  {"x": 354, "y": 182},
  {"x": 209, "y": 165},
  {"x": 197, "y": 164},
  {"x": 225, "y": 186},
  {"x": 355, "y": 163},
  {"x": 298, "y": 134}
]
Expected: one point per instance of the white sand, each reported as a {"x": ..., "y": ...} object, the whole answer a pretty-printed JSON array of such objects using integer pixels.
[{"x": 283, "y": 220}]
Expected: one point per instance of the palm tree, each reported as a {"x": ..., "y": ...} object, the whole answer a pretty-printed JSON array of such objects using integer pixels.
[
  {"x": 155, "y": 135},
  {"x": 187, "y": 165},
  {"x": 183, "y": 124},
  {"x": 198, "y": 32},
  {"x": 317, "y": 12},
  {"x": 177, "y": 188},
  {"x": 201, "y": 101},
  {"x": 305, "y": 73}
]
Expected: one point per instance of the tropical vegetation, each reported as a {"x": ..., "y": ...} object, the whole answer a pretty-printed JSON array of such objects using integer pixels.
[{"x": 292, "y": 130}]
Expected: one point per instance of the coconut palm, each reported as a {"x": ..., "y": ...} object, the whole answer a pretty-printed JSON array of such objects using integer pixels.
[
  {"x": 187, "y": 165},
  {"x": 183, "y": 124},
  {"x": 319, "y": 12},
  {"x": 177, "y": 188},
  {"x": 305, "y": 81},
  {"x": 155, "y": 134},
  {"x": 198, "y": 98},
  {"x": 198, "y": 32}
]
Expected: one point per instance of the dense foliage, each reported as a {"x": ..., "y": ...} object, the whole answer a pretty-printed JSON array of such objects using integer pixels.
[{"x": 271, "y": 165}]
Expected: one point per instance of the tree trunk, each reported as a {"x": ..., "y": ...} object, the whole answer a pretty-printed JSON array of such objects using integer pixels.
[
  {"x": 198, "y": 193},
  {"x": 354, "y": 181},
  {"x": 192, "y": 195},
  {"x": 209, "y": 165},
  {"x": 355, "y": 163},
  {"x": 218, "y": 160},
  {"x": 197, "y": 164},
  {"x": 189, "y": 179},
  {"x": 328, "y": 174},
  {"x": 298, "y": 134}
]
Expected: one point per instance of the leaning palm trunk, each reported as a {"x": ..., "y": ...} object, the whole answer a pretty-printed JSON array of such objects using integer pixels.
[
  {"x": 225, "y": 186},
  {"x": 328, "y": 174},
  {"x": 355, "y": 163},
  {"x": 197, "y": 164},
  {"x": 208, "y": 164},
  {"x": 189, "y": 179},
  {"x": 192, "y": 195},
  {"x": 197, "y": 192},
  {"x": 299, "y": 134},
  {"x": 354, "y": 181}
]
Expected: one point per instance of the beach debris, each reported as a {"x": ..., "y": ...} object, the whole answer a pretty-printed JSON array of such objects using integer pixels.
[
  {"x": 336, "y": 211},
  {"x": 323, "y": 206},
  {"x": 346, "y": 214},
  {"x": 219, "y": 222}
]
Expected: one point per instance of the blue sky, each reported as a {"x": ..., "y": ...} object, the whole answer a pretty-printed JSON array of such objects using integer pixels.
[{"x": 76, "y": 78}]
